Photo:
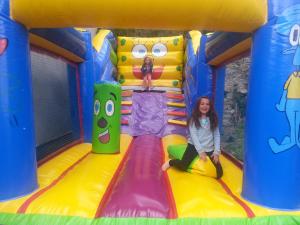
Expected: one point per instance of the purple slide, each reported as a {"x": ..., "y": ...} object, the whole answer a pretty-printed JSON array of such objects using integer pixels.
[
  {"x": 141, "y": 188},
  {"x": 149, "y": 116}
]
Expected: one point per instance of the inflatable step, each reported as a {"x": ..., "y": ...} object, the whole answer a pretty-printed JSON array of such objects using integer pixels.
[
  {"x": 125, "y": 111},
  {"x": 176, "y": 104},
  {"x": 126, "y": 103},
  {"x": 177, "y": 122},
  {"x": 155, "y": 83},
  {"x": 176, "y": 113},
  {"x": 175, "y": 96}
]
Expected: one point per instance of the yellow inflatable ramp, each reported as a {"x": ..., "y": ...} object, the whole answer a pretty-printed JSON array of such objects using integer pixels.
[
  {"x": 71, "y": 184},
  {"x": 74, "y": 183},
  {"x": 199, "y": 196}
]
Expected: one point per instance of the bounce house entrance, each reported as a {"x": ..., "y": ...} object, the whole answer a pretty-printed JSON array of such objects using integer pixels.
[{"x": 137, "y": 130}]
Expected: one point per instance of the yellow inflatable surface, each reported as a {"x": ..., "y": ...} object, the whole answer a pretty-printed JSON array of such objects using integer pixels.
[
  {"x": 155, "y": 83},
  {"x": 225, "y": 15},
  {"x": 99, "y": 39},
  {"x": 73, "y": 184},
  {"x": 159, "y": 72}
]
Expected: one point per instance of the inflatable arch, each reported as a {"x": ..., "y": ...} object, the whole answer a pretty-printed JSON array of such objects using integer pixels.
[{"x": 49, "y": 174}]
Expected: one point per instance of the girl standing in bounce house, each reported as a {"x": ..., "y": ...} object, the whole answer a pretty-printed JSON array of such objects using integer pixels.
[{"x": 146, "y": 69}]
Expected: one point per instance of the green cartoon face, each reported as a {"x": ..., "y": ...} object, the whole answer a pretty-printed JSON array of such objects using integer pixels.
[{"x": 106, "y": 123}]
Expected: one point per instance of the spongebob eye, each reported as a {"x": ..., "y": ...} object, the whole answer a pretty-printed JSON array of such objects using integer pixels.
[
  {"x": 109, "y": 107},
  {"x": 139, "y": 51},
  {"x": 159, "y": 50},
  {"x": 96, "y": 107},
  {"x": 294, "y": 35}
]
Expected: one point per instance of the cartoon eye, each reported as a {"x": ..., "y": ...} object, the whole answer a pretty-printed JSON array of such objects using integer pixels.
[
  {"x": 139, "y": 51},
  {"x": 96, "y": 107},
  {"x": 109, "y": 108},
  {"x": 159, "y": 50},
  {"x": 294, "y": 35}
]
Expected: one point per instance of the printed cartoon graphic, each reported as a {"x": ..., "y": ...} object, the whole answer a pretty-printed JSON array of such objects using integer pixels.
[
  {"x": 140, "y": 51},
  {"x": 106, "y": 121},
  {"x": 166, "y": 52},
  {"x": 3, "y": 45},
  {"x": 288, "y": 24}
]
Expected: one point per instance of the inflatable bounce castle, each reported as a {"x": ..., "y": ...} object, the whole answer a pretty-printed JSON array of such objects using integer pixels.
[{"x": 83, "y": 144}]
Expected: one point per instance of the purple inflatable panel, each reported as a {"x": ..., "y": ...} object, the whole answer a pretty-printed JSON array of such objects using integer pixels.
[{"x": 149, "y": 112}]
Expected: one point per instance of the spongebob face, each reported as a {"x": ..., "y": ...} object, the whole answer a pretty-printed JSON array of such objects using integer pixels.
[
  {"x": 140, "y": 51},
  {"x": 166, "y": 53}
]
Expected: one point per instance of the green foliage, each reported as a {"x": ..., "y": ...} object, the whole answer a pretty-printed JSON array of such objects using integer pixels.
[{"x": 147, "y": 33}]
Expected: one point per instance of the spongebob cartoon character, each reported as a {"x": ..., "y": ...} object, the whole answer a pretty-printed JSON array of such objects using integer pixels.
[
  {"x": 106, "y": 121},
  {"x": 289, "y": 25},
  {"x": 166, "y": 53}
]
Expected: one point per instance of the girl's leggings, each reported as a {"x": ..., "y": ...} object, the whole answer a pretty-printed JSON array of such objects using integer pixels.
[{"x": 189, "y": 155}]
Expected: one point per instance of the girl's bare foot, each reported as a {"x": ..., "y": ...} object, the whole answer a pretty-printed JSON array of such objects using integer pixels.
[{"x": 165, "y": 166}]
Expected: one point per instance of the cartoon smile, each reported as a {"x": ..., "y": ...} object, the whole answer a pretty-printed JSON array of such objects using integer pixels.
[
  {"x": 156, "y": 73},
  {"x": 104, "y": 137}
]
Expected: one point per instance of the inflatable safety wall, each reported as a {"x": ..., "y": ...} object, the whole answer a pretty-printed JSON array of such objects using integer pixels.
[
  {"x": 191, "y": 76},
  {"x": 105, "y": 58}
]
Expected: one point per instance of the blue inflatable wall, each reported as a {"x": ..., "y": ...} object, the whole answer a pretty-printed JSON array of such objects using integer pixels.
[
  {"x": 87, "y": 80},
  {"x": 272, "y": 145},
  {"x": 17, "y": 155},
  {"x": 204, "y": 71}
]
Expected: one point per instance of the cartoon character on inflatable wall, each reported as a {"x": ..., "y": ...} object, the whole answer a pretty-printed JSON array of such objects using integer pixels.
[
  {"x": 3, "y": 45},
  {"x": 107, "y": 118},
  {"x": 288, "y": 24},
  {"x": 166, "y": 53}
]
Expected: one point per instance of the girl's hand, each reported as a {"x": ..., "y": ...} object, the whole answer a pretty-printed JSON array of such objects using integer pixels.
[
  {"x": 215, "y": 158},
  {"x": 202, "y": 156}
]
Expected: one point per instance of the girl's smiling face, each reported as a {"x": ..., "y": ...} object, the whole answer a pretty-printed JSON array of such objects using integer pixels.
[
  {"x": 148, "y": 60},
  {"x": 204, "y": 106}
]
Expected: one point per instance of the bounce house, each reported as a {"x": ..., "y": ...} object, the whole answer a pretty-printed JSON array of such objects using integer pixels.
[{"x": 83, "y": 144}]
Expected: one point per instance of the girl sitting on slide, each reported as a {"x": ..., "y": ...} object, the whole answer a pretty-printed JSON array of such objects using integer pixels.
[{"x": 204, "y": 139}]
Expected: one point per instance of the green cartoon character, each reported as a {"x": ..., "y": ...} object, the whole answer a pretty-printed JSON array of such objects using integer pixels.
[{"x": 107, "y": 118}]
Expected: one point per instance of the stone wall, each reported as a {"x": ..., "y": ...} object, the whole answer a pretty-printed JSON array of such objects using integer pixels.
[{"x": 236, "y": 88}]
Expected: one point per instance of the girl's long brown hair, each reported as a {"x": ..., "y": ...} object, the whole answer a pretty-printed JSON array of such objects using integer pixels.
[
  {"x": 144, "y": 61},
  {"x": 211, "y": 114}
]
